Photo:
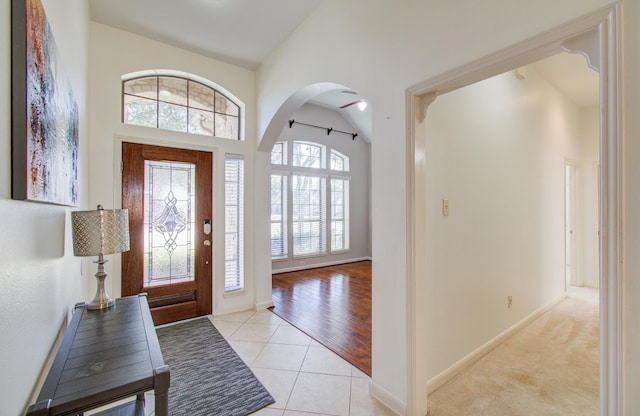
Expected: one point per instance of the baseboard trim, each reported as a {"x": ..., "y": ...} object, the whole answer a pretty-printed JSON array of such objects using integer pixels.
[
  {"x": 474, "y": 356},
  {"x": 33, "y": 398},
  {"x": 264, "y": 305},
  {"x": 315, "y": 266},
  {"x": 396, "y": 405}
]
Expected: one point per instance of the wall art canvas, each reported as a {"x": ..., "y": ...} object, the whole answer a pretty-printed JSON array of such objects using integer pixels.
[{"x": 44, "y": 112}]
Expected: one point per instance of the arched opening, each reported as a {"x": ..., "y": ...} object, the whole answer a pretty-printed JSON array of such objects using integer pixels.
[{"x": 320, "y": 171}]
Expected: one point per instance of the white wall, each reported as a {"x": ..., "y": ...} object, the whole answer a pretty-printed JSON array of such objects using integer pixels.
[
  {"x": 359, "y": 155},
  {"x": 109, "y": 61},
  {"x": 389, "y": 47},
  {"x": 40, "y": 278},
  {"x": 497, "y": 152}
]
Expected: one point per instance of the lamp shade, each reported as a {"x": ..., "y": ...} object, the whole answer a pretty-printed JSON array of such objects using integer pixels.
[{"x": 101, "y": 231}]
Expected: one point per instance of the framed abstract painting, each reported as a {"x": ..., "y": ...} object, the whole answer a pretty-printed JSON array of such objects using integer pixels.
[{"x": 44, "y": 121}]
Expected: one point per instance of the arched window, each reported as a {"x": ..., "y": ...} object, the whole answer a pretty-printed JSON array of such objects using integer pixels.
[
  {"x": 339, "y": 161},
  {"x": 179, "y": 103}
]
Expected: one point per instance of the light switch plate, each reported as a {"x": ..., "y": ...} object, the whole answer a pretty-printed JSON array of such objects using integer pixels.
[{"x": 445, "y": 207}]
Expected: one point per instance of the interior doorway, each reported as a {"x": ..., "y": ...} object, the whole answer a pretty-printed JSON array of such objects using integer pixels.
[
  {"x": 606, "y": 32},
  {"x": 570, "y": 224}
]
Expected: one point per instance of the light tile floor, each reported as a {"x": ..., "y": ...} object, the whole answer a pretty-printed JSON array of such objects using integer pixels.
[{"x": 304, "y": 377}]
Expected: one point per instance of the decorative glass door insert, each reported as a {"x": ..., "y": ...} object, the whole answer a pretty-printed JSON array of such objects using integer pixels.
[{"x": 169, "y": 222}]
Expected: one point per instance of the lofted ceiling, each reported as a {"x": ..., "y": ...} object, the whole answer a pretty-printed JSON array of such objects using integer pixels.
[
  {"x": 245, "y": 32},
  {"x": 241, "y": 32}
]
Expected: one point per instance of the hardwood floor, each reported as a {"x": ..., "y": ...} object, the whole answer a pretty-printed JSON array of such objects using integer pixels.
[{"x": 332, "y": 305}]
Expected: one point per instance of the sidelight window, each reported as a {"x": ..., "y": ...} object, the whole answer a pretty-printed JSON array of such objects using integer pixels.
[{"x": 233, "y": 223}]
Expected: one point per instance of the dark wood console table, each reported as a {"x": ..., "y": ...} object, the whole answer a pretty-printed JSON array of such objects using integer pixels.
[{"x": 105, "y": 356}]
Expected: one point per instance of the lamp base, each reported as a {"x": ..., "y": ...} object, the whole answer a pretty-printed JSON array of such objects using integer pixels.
[
  {"x": 100, "y": 304},
  {"x": 102, "y": 300}
]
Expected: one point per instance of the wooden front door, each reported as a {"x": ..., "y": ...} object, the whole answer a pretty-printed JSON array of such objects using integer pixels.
[{"x": 168, "y": 194}]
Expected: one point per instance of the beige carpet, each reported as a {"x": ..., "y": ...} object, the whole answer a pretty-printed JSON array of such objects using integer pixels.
[{"x": 549, "y": 368}]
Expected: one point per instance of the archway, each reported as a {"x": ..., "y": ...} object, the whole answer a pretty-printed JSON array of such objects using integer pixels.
[
  {"x": 320, "y": 211},
  {"x": 290, "y": 106}
]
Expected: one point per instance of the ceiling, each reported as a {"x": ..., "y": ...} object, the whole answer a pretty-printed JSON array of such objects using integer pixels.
[
  {"x": 241, "y": 32},
  {"x": 245, "y": 32},
  {"x": 570, "y": 74}
]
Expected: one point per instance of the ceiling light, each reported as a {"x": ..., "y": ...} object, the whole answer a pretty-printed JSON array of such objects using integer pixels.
[{"x": 362, "y": 105}]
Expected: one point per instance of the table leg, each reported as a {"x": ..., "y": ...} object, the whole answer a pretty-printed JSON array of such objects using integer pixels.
[{"x": 161, "y": 377}]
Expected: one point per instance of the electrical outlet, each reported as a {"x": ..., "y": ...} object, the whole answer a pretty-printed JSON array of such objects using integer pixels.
[{"x": 509, "y": 301}]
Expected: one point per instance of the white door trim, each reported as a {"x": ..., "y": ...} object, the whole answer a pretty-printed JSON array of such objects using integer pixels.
[{"x": 611, "y": 220}]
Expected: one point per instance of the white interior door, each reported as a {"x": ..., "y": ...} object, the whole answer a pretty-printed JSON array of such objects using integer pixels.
[{"x": 571, "y": 275}]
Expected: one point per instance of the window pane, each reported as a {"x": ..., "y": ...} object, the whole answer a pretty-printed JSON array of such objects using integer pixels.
[
  {"x": 276, "y": 154},
  {"x": 201, "y": 96},
  {"x": 140, "y": 111},
  {"x": 337, "y": 235},
  {"x": 142, "y": 87},
  {"x": 339, "y": 161},
  {"x": 226, "y": 126},
  {"x": 172, "y": 117},
  {"x": 169, "y": 221},
  {"x": 307, "y": 155},
  {"x": 279, "y": 244},
  {"x": 226, "y": 106},
  {"x": 336, "y": 162},
  {"x": 339, "y": 214},
  {"x": 172, "y": 90},
  {"x": 200, "y": 122}
]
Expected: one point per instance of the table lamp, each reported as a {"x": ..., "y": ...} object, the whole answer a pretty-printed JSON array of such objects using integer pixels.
[{"x": 97, "y": 233}]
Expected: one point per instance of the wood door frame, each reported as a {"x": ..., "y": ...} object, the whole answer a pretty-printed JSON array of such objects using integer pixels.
[
  {"x": 419, "y": 97},
  {"x": 175, "y": 301},
  {"x": 215, "y": 194}
]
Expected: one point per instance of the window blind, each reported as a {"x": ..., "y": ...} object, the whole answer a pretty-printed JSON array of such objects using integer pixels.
[
  {"x": 233, "y": 222},
  {"x": 279, "y": 241},
  {"x": 309, "y": 214},
  {"x": 339, "y": 214}
]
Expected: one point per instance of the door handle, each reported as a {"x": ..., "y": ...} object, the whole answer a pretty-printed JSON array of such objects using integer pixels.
[{"x": 207, "y": 243}]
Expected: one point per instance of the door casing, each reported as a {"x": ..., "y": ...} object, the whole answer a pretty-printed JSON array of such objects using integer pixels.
[
  {"x": 180, "y": 300},
  {"x": 418, "y": 98}
]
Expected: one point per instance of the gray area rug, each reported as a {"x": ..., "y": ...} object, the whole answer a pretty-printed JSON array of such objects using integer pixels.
[{"x": 207, "y": 376}]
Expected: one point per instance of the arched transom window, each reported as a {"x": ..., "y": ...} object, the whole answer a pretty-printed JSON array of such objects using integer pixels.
[{"x": 180, "y": 104}]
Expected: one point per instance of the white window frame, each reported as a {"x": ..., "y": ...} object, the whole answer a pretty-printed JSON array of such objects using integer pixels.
[
  {"x": 219, "y": 89},
  {"x": 325, "y": 174}
]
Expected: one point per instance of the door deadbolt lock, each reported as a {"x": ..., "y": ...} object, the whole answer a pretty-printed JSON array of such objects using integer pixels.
[{"x": 207, "y": 243}]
